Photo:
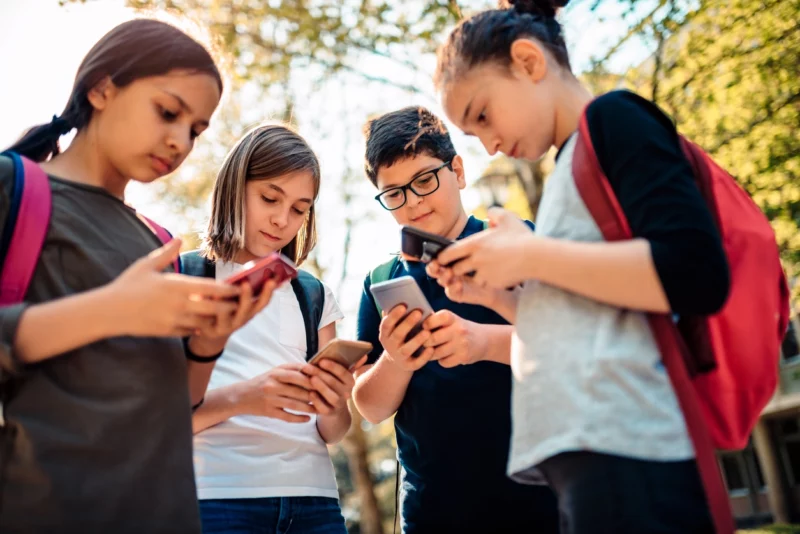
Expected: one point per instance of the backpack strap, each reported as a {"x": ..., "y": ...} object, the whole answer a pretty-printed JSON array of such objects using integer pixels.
[
  {"x": 310, "y": 295},
  {"x": 26, "y": 228},
  {"x": 596, "y": 192},
  {"x": 194, "y": 263},
  {"x": 383, "y": 273},
  {"x": 164, "y": 236}
]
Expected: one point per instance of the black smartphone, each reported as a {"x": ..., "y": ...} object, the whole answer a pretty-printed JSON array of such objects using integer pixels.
[{"x": 422, "y": 245}]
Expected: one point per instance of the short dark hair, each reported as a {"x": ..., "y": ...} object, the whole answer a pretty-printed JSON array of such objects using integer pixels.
[
  {"x": 405, "y": 133},
  {"x": 488, "y": 36}
]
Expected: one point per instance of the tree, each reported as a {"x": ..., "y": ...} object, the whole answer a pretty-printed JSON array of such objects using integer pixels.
[{"x": 726, "y": 70}]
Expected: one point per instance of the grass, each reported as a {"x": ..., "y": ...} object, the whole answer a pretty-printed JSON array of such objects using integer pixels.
[{"x": 773, "y": 529}]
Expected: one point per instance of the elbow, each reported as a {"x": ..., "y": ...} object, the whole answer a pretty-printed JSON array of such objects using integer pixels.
[
  {"x": 711, "y": 288},
  {"x": 717, "y": 297},
  {"x": 368, "y": 410}
]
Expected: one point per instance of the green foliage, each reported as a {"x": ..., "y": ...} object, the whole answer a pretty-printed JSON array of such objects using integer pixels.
[{"x": 727, "y": 71}]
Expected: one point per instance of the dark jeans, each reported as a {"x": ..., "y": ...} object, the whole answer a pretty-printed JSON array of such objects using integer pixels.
[
  {"x": 600, "y": 493},
  {"x": 273, "y": 515}
]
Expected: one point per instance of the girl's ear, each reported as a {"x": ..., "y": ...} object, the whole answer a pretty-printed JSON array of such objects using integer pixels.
[
  {"x": 529, "y": 59},
  {"x": 102, "y": 93},
  {"x": 458, "y": 167}
]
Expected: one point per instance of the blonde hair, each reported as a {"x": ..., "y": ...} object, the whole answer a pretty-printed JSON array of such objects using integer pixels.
[{"x": 266, "y": 152}]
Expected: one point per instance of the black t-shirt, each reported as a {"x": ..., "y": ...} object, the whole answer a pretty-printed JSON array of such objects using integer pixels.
[
  {"x": 453, "y": 433},
  {"x": 639, "y": 151}
]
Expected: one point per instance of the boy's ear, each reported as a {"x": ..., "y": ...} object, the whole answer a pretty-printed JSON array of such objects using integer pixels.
[
  {"x": 529, "y": 59},
  {"x": 458, "y": 168},
  {"x": 102, "y": 92}
]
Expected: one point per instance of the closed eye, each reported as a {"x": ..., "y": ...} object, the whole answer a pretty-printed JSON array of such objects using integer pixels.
[
  {"x": 167, "y": 115},
  {"x": 268, "y": 200}
]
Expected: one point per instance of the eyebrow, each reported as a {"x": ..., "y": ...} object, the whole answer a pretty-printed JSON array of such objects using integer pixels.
[
  {"x": 282, "y": 192},
  {"x": 185, "y": 106},
  {"x": 414, "y": 177}
]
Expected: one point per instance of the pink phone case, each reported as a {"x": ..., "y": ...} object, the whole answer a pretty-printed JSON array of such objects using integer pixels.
[{"x": 275, "y": 266}]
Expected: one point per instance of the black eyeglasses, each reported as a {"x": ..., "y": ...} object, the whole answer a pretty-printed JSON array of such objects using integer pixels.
[{"x": 423, "y": 185}]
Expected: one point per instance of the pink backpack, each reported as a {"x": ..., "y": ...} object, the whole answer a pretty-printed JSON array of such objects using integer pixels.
[{"x": 26, "y": 227}]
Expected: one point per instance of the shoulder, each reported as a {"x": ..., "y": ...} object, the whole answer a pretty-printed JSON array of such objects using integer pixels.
[{"x": 625, "y": 112}]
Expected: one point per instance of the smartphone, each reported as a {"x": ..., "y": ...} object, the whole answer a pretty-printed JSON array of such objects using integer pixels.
[
  {"x": 422, "y": 245},
  {"x": 403, "y": 290},
  {"x": 347, "y": 353},
  {"x": 276, "y": 267}
]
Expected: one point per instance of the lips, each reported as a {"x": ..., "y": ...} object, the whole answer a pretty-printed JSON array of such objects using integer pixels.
[
  {"x": 270, "y": 236},
  {"x": 161, "y": 165},
  {"x": 421, "y": 217},
  {"x": 514, "y": 153}
]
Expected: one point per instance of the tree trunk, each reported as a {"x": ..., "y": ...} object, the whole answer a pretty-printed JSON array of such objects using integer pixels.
[{"x": 355, "y": 445}]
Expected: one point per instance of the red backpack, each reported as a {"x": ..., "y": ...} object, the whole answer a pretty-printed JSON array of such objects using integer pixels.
[
  {"x": 723, "y": 367},
  {"x": 26, "y": 227}
]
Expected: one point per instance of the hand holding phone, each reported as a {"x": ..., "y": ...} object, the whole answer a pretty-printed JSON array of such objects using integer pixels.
[
  {"x": 331, "y": 374},
  {"x": 344, "y": 352},
  {"x": 276, "y": 267},
  {"x": 401, "y": 332}
]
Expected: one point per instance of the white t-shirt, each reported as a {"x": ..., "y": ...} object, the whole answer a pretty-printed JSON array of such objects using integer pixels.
[{"x": 252, "y": 456}]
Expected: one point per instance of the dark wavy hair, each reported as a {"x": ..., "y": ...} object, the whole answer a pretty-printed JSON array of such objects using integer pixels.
[
  {"x": 488, "y": 36},
  {"x": 135, "y": 49}
]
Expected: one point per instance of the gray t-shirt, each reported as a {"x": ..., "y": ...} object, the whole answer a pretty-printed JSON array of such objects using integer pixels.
[
  {"x": 587, "y": 376},
  {"x": 98, "y": 439}
]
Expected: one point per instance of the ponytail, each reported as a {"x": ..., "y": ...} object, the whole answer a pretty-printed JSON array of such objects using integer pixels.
[
  {"x": 40, "y": 142},
  {"x": 135, "y": 49}
]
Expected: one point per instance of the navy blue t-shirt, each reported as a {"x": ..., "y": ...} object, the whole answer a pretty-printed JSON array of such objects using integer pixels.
[{"x": 453, "y": 429}]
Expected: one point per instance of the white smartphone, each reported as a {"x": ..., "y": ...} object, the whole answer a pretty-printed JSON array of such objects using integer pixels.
[
  {"x": 342, "y": 351},
  {"x": 403, "y": 290}
]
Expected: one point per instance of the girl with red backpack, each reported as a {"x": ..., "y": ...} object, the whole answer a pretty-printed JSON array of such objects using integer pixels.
[{"x": 595, "y": 409}]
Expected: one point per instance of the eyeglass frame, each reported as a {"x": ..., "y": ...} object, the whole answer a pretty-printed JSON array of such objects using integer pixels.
[{"x": 407, "y": 186}]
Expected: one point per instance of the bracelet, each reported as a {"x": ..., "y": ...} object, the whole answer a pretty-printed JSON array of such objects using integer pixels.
[{"x": 199, "y": 359}]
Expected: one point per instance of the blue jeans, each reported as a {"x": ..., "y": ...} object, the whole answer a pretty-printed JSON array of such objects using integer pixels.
[{"x": 273, "y": 515}]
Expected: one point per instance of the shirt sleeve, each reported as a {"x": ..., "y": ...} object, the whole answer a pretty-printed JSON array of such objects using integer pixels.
[
  {"x": 331, "y": 312},
  {"x": 9, "y": 315},
  {"x": 639, "y": 151},
  {"x": 369, "y": 322}
]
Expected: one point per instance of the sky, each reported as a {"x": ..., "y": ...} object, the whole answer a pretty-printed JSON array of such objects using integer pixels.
[{"x": 42, "y": 44}]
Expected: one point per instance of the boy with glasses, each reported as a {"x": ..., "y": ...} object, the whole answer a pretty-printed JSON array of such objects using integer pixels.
[{"x": 452, "y": 400}]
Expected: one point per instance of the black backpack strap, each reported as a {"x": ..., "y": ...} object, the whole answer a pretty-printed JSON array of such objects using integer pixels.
[
  {"x": 195, "y": 264},
  {"x": 310, "y": 295}
]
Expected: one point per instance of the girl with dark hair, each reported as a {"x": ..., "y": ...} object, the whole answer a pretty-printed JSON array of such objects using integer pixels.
[
  {"x": 96, "y": 431},
  {"x": 594, "y": 412}
]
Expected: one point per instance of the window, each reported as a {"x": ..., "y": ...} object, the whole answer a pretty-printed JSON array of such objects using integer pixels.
[{"x": 741, "y": 471}]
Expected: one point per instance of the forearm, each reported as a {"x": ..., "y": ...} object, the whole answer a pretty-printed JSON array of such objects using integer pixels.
[
  {"x": 505, "y": 304},
  {"x": 200, "y": 373},
  {"x": 379, "y": 392},
  {"x": 334, "y": 426},
  {"x": 220, "y": 405},
  {"x": 53, "y": 328},
  {"x": 621, "y": 273},
  {"x": 497, "y": 339}
]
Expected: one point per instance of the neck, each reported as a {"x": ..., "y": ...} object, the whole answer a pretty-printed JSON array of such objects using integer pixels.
[
  {"x": 83, "y": 163},
  {"x": 569, "y": 109},
  {"x": 458, "y": 226}
]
